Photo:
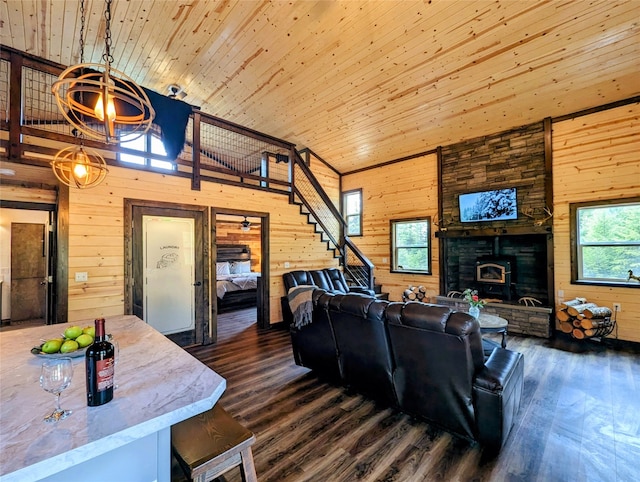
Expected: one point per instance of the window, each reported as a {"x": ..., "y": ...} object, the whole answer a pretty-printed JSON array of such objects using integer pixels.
[
  {"x": 411, "y": 246},
  {"x": 147, "y": 143},
  {"x": 606, "y": 237},
  {"x": 352, "y": 207}
]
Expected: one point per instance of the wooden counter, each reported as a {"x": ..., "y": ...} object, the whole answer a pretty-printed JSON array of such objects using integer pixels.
[{"x": 159, "y": 384}]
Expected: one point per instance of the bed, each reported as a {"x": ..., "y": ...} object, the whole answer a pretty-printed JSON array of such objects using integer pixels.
[{"x": 236, "y": 284}]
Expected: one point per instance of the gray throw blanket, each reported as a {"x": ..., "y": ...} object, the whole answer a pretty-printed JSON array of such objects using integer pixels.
[{"x": 301, "y": 303}]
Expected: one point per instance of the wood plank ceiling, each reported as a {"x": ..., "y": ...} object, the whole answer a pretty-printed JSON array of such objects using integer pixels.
[{"x": 359, "y": 82}]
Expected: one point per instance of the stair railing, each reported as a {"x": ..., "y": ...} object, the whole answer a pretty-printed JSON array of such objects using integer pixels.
[{"x": 358, "y": 270}]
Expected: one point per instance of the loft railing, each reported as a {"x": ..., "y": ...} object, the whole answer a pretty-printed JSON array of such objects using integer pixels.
[{"x": 32, "y": 130}]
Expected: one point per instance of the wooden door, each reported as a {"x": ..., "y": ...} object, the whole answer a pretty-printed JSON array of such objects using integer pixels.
[
  {"x": 28, "y": 271},
  {"x": 199, "y": 286}
]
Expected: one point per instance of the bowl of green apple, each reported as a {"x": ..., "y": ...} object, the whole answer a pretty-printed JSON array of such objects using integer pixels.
[{"x": 73, "y": 343}]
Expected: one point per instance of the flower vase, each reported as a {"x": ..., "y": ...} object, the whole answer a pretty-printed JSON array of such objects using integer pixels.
[{"x": 474, "y": 311}]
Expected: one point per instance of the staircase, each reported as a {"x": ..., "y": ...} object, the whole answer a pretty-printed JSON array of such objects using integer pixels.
[{"x": 320, "y": 211}]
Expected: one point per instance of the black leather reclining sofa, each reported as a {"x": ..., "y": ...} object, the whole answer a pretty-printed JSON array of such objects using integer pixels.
[
  {"x": 328, "y": 279},
  {"x": 424, "y": 359}
]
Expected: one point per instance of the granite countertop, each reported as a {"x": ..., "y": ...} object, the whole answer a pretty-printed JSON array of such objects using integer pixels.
[{"x": 159, "y": 384}]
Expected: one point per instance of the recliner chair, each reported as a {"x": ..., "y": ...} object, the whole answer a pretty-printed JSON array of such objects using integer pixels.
[{"x": 328, "y": 279}]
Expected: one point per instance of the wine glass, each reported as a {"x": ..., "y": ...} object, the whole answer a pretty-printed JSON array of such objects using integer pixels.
[
  {"x": 116, "y": 355},
  {"x": 55, "y": 376}
]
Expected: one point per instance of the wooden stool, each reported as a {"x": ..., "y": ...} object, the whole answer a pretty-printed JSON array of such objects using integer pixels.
[{"x": 209, "y": 444}]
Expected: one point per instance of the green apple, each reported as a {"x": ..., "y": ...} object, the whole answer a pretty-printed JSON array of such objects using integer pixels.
[
  {"x": 72, "y": 332},
  {"x": 84, "y": 340},
  {"x": 69, "y": 345},
  {"x": 52, "y": 346},
  {"x": 90, "y": 330}
]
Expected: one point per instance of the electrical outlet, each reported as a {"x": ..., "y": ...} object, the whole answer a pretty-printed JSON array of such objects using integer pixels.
[
  {"x": 617, "y": 307},
  {"x": 82, "y": 276},
  {"x": 286, "y": 264}
]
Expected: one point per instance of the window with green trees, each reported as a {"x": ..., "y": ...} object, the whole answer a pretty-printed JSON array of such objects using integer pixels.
[
  {"x": 352, "y": 211},
  {"x": 411, "y": 246},
  {"x": 607, "y": 240}
]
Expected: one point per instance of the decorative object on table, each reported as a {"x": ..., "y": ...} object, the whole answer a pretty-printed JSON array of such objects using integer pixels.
[
  {"x": 116, "y": 356},
  {"x": 99, "y": 365},
  {"x": 73, "y": 343},
  {"x": 55, "y": 376},
  {"x": 583, "y": 320},
  {"x": 414, "y": 293},
  {"x": 475, "y": 303}
]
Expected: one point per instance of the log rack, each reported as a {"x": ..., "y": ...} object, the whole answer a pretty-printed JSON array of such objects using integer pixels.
[{"x": 583, "y": 320}]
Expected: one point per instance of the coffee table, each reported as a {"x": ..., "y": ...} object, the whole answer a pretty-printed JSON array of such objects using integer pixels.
[{"x": 494, "y": 324}]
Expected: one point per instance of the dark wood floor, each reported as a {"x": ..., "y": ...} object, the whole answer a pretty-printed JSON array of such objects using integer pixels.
[{"x": 579, "y": 419}]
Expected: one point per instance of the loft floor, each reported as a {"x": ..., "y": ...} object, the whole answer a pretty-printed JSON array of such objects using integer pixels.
[{"x": 578, "y": 419}]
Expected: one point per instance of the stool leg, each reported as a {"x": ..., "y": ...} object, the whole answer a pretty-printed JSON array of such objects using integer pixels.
[
  {"x": 247, "y": 468},
  {"x": 504, "y": 339}
]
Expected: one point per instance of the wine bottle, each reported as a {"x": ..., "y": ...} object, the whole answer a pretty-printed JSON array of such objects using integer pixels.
[{"x": 99, "y": 365}]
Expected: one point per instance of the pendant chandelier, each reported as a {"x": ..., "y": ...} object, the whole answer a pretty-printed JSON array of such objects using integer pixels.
[
  {"x": 77, "y": 166},
  {"x": 100, "y": 102}
]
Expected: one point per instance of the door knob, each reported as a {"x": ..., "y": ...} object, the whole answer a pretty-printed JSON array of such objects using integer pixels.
[{"x": 197, "y": 283}]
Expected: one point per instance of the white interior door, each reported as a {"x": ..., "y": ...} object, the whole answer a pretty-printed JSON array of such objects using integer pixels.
[{"x": 169, "y": 260}]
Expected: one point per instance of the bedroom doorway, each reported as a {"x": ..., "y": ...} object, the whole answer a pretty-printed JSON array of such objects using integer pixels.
[{"x": 240, "y": 263}]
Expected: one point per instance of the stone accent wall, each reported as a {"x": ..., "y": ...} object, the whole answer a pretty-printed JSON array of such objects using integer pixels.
[
  {"x": 509, "y": 159},
  {"x": 523, "y": 320},
  {"x": 512, "y": 159}
]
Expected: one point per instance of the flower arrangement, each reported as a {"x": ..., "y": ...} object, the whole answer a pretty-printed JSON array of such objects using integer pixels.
[{"x": 471, "y": 296}]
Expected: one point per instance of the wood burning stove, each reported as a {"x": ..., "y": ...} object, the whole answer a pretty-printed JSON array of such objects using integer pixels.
[{"x": 493, "y": 276}]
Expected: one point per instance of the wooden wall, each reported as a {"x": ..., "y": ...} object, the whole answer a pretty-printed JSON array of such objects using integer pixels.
[
  {"x": 406, "y": 189},
  {"x": 596, "y": 157},
  {"x": 328, "y": 178},
  {"x": 96, "y": 243}
]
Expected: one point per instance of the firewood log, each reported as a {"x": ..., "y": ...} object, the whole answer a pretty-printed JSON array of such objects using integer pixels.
[
  {"x": 577, "y": 301},
  {"x": 562, "y": 315},
  {"x": 578, "y": 334},
  {"x": 597, "y": 312},
  {"x": 578, "y": 309},
  {"x": 566, "y": 327},
  {"x": 589, "y": 323}
]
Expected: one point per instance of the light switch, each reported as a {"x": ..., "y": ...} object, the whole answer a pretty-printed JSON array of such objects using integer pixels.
[{"x": 286, "y": 264}]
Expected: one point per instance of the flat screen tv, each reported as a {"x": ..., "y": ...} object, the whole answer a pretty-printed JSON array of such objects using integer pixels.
[{"x": 496, "y": 205}]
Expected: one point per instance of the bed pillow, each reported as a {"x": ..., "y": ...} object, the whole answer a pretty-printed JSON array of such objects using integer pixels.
[
  {"x": 241, "y": 267},
  {"x": 222, "y": 269}
]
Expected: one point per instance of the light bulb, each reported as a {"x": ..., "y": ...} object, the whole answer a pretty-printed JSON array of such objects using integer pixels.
[
  {"x": 80, "y": 170},
  {"x": 111, "y": 109}
]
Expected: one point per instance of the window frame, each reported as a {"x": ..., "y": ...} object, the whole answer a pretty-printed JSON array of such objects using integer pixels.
[
  {"x": 346, "y": 216},
  {"x": 146, "y": 161},
  {"x": 576, "y": 246},
  {"x": 393, "y": 268}
]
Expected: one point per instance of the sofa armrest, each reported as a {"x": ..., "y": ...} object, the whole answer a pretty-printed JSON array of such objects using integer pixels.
[
  {"x": 362, "y": 290},
  {"x": 497, "y": 391}
]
